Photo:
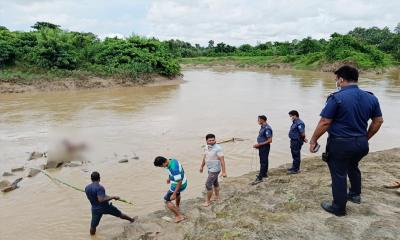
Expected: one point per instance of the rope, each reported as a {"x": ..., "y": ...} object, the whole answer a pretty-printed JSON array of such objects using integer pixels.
[
  {"x": 229, "y": 140},
  {"x": 71, "y": 186}
]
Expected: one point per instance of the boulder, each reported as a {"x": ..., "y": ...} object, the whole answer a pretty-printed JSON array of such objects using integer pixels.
[
  {"x": 11, "y": 186},
  {"x": 17, "y": 169},
  {"x": 74, "y": 164},
  {"x": 35, "y": 155},
  {"x": 125, "y": 160},
  {"x": 7, "y": 174},
  {"x": 33, "y": 172},
  {"x": 4, "y": 183}
]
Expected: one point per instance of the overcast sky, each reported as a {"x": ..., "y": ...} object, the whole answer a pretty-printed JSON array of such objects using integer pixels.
[{"x": 231, "y": 21}]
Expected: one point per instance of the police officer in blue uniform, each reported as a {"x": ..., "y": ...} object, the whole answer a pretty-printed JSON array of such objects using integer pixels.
[
  {"x": 297, "y": 139},
  {"x": 263, "y": 145},
  {"x": 345, "y": 117}
]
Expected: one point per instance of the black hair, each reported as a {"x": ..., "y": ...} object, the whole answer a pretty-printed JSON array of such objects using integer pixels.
[
  {"x": 210, "y": 135},
  {"x": 95, "y": 176},
  {"x": 159, "y": 161},
  {"x": 263, "y": 117},
  {"x": 294, "y": 113},
  {"x": 348, "y": 73}
]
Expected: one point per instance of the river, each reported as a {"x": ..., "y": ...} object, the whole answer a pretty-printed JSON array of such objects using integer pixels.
[{"x": 151, "y": 121}]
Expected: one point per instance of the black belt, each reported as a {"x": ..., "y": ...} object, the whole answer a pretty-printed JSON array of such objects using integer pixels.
[{"x": 346, "y": 138}]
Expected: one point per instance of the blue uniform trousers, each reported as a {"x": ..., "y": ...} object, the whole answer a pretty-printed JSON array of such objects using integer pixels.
[
  {"x": 295, "y": 148},
  {"x": 263, "y": 153},
  {"x": 344, "y": 155}
]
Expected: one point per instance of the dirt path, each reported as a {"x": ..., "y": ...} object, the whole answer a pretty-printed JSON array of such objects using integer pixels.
[{"x": 287, "y": 207}]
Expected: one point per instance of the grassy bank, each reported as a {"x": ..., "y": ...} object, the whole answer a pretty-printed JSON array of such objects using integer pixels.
[{"x": 314, "y": 62}]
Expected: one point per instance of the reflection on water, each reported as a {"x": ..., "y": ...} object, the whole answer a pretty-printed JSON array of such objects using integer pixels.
[{"x": 167, "y": 120}]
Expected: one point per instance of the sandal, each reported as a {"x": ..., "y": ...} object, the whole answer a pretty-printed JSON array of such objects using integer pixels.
[{"x": 395, "y": 184}]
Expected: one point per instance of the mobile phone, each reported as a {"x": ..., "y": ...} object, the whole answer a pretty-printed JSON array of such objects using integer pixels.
[{"x": 316, "y": 148}]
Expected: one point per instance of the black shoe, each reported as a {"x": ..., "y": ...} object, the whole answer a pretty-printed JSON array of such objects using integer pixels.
[
  {"x": 327, "y": 206},
  {"x": 257, "y": 181},
  {"x": 293, "y": 172},
  {"x": 290, "y": 169},
  {"x": 354, "y": 199}
]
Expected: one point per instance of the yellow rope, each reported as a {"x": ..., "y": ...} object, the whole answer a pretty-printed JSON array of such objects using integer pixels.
[{"x": 71, "y": 186}]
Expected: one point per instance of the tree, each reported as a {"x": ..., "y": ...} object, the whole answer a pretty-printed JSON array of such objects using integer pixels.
[
  {"x": 211, "y": 44},
  {"x": 308, "y": 45},
  {"x": 397, "y": 29},
  {"x": 7, "y": 49},
  {"x": 41, "y": 25}
]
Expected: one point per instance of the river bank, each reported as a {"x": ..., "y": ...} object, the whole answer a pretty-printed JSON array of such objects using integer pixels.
[
  {"x": 86, "y": 82},
  {"x": 273, "y": 63},
  {"x": 287, "y": 207}
]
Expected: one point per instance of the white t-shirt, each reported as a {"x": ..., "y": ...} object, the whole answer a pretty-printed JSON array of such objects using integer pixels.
[{"x": 212, "y": 152}]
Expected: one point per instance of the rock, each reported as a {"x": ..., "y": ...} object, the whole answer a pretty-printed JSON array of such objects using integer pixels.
[
  {"x": 123, "y": 160},
  {"x": 74, "y": 164},
  {"x": 11, "y": 186},
  {"x": 18, "y": 169},
  {"x": 7, "y": 174},
  {"x": 33, "y": 172},
  {"x": 135, "y": 158},
  {"x": 35, "y": 155},
  {"x": 4, "y": 183}
]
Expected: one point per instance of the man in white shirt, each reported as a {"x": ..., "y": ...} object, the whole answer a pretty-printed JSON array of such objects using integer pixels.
[{"x": 214, "y": 158}]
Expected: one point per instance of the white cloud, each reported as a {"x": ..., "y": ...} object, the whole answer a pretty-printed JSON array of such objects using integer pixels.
[
  {"x": 231, "y": 21},
  {"x": 240, "y": 21}
]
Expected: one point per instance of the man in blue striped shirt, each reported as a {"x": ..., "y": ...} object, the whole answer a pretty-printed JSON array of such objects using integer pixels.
[{"x": 177, "y": 181}]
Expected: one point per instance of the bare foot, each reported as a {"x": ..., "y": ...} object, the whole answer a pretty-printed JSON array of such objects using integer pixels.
[
  {"x": 206, "y": 204},
  {"x": 179, "y": 218}
]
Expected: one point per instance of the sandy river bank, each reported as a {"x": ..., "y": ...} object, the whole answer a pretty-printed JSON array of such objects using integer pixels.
[{"x": 287, "y": 207}]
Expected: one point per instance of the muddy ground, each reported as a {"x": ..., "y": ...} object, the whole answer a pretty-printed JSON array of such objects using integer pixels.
[
  {"x": 45, "y": 85},
  {"x": 287, "y": 207}
]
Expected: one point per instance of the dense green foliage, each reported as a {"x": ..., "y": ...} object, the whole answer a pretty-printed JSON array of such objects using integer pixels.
[
  {"x": 366, "y": 48},
  {"x": 50, "y": 50},
  {"x": 49, "y": 47}
]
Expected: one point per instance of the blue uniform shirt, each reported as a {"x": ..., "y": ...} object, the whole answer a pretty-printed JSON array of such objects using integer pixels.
[
  {"x": 350, "y": 109},
  {"x": 264, "y": 133},
  {"x": 92, "y": 191},
  {"x": 297, "y": 128}
]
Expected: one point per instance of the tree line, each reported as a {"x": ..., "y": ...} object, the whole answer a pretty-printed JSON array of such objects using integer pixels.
[
  {"x": 48, "y": 46},
  {"x": 366, "y": 47}
]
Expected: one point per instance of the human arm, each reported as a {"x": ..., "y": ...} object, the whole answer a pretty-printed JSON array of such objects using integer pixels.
[
  {"x": 203, "y": 162},
  {"x": 322, "y": 127},
  {"x": 374, "y": 126},
  {"x": 223, "y": 166}
]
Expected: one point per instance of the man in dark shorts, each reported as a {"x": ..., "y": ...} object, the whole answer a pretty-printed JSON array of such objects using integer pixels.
[
  {"x": 100, "y": 203},
  {"x": 178, "y": 184},
  {"x": 214, "y": 159}
]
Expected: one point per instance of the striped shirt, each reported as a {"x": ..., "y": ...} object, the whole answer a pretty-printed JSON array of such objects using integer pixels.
[{"x": 176, "y": 174}]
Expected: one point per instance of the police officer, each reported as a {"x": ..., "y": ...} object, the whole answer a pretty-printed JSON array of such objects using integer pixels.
[
  {"x": 345, "y": 117},
  {"x": 263, "y": 145},
  {"x": 297, "y": 138}
]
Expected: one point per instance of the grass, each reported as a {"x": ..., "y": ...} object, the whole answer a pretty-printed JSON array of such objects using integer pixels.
[{"x": 311, "y": 61}]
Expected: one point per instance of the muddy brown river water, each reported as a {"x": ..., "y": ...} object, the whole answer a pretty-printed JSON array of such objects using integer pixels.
[{"x": 151, "y": 121}]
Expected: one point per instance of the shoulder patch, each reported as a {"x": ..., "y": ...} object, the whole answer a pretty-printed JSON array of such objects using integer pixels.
[{"x": 334, "y": 97}]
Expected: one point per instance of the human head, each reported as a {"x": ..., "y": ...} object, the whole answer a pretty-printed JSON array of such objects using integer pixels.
[
  {"x": 346, "y": 74},
  {"x": 294, "y": 114},
  {"x": 262, "y": 119},
  {"x": 160, "y": 161},
  {"x": 210, "y": 139},
  {"x": 95, "y": 176}
]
